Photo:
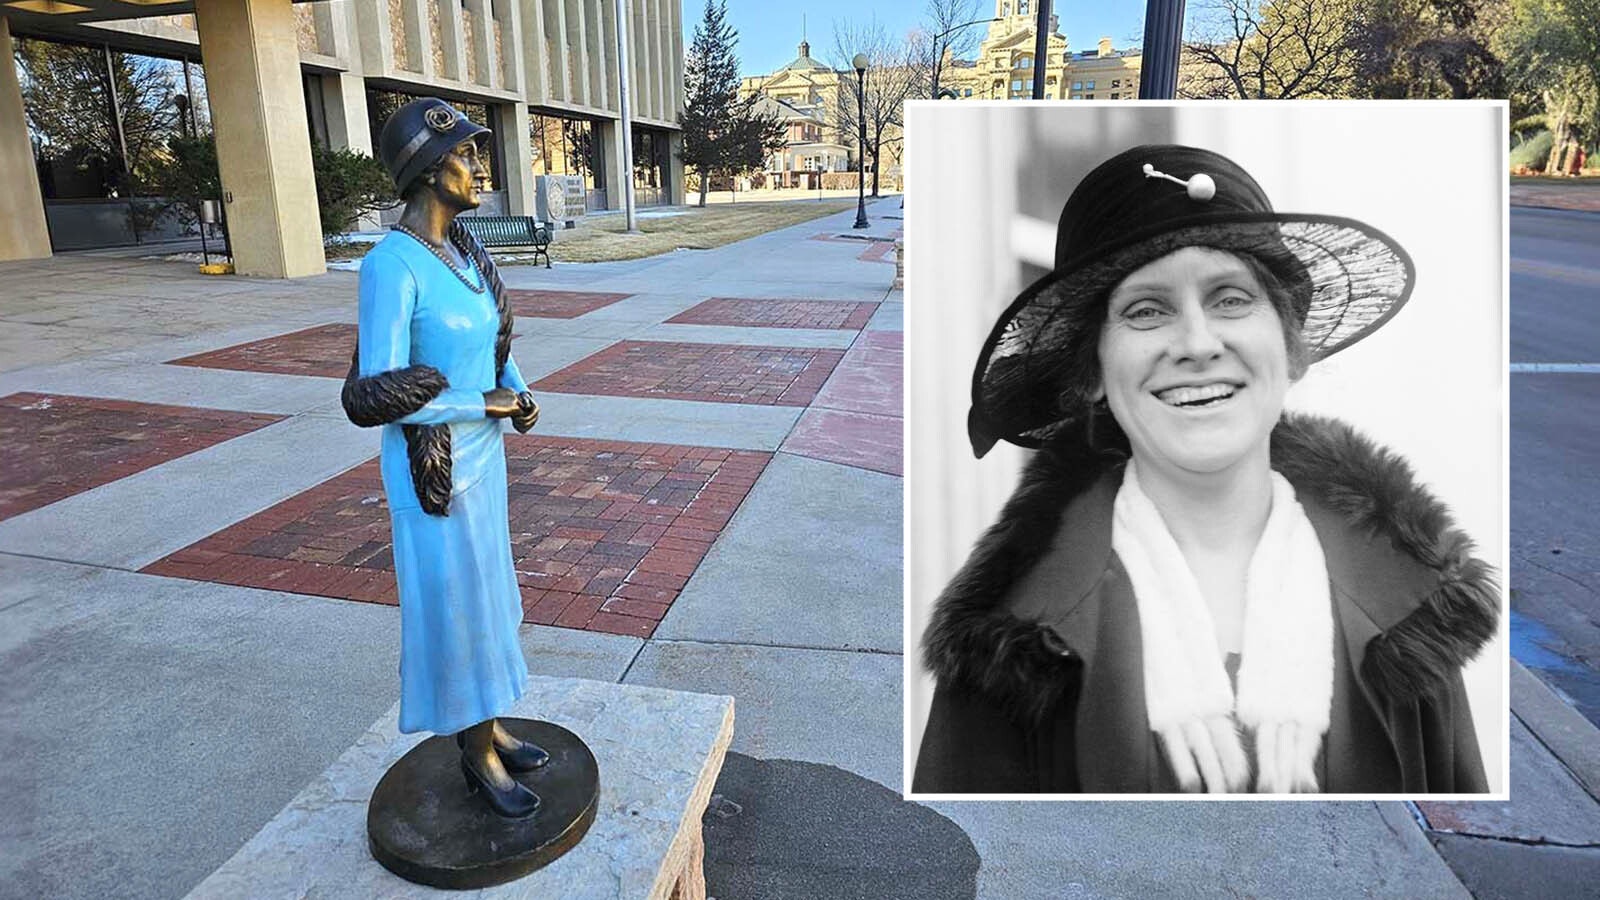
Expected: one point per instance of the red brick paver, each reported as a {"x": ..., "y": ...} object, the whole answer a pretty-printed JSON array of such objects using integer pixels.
[
  {"x": 56, "y": 446},
  {"x": 720, "y": 373},
  {"x": 559, "y": 304},
  {"x": 604, "y": 534},
  {"x": 777, "y": 313},
  {"x": 856, "y": 418},
  {"x": 323, "y": 350},
  {"x": 855, "y": 439}
]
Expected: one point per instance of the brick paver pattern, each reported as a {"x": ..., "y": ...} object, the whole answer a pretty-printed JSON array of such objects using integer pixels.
[
  {"x": 777, "y": 313},
  {"x": 604, "y": 534},
  {"x": 719, "y": 373},
  {"x": 323, "y": 350},
  {"x": 559, "y": 304},
  {"x": 56, "y": 446}
]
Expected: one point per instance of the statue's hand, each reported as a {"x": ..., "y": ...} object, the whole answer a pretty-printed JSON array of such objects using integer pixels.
[
  {"x": 500, "y": 403},
  {"x": 527, "y": 413}
]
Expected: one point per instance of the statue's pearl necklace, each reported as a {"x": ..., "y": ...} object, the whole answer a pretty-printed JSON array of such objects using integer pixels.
[{"x": 438, "y": 251}]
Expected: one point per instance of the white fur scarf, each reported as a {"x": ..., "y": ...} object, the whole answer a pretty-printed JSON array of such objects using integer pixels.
[{"x": 1285, "y": 681}]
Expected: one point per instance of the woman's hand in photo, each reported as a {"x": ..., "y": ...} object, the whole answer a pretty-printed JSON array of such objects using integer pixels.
[
  {"x": 501, "y": 403},
  {"x": 527, "y": 413}
]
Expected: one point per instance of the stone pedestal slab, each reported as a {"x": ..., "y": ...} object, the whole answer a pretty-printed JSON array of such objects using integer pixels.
[{"x": 659, "y": 753}]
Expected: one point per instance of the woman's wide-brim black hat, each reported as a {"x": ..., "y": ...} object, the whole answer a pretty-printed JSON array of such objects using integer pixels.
[
  {"x": 418, "y": 134},
  {"x": 1345, "y": 278}
]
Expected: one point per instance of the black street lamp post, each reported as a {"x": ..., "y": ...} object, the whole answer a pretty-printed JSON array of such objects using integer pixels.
[
  {"x": 860, "y": 62},
  {"x": 1163, "y": 47}
]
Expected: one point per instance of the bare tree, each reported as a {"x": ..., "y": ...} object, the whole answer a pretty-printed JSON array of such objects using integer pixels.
[
  {"x": 942, "y": 21},
  {"x": 897, "y": 70},
  {"x": 1428, "y": 48},
  {"x": 1260, "y": 49}
]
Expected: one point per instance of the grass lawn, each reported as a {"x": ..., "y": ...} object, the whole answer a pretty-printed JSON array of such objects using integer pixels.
[{"x": 600, "y": 239}]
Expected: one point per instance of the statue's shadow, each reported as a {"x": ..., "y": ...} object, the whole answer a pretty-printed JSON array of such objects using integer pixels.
[{"x": 786, "y": 829}]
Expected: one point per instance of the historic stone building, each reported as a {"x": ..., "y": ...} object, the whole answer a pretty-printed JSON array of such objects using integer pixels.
[
  {"x": 804, "y": 94},
  {"x": 1004, "y": 66},
  {"x": 272, "y": 76}
]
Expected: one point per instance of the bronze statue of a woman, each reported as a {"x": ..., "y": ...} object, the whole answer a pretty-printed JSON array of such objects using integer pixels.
[{"x": 433, "y": 367}]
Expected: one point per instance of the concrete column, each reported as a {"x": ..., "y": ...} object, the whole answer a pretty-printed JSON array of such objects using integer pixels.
[
  {"x": 454, "y": 37},
  {"x": 516, "y": 155},
  {"x": 263, "y": 148},
  {"x": 643, "y": 64},
  {"x": 601, "y": 36},
  {"x": 510, "y": 73},
  {"x": 577, "y": 52},
  {"x": 565, "y": 55},
  {"x": 373, "y": 36},
  {"x": 483, "y": 44},
  {"x": 344, "y": 101},
  {"x": 535, "y": 59},
  {"x": 609, "y": 132},
  {"x": 672, "y": 178},
  {"x": 675, "y": 28},
  {"x": 419, "y": 37},
  {"x": 661, "y": 67},
  {"x": 331, "y": 37},
  {"x": 23, "y": 234}
]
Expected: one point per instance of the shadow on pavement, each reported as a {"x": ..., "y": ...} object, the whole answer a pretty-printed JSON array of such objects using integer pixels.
[{"x": 785, "y": 829}]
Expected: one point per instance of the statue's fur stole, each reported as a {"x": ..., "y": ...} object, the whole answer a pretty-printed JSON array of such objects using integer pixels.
[
  {"x": 387, "y": 396},
  {"x": 974, "y": 641}
]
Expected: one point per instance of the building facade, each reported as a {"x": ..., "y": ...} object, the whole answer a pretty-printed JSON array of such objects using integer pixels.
[
  {"x": 807, "y": 152},
  {"x": 270, "y": 77},
  {"x": 1004, "y": 66},
  {"x": 804, "y": 95}
]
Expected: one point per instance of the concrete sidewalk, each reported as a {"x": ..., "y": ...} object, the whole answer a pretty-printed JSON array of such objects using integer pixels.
[
  {"x": 195, "y": 617},
  {"x": 1576, "y": 194}
]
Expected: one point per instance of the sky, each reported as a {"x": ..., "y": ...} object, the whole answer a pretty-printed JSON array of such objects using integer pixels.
[{"x": 768, "y": 39}]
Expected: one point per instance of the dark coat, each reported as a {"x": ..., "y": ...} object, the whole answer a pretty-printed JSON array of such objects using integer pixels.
[{"x": 1036, "y": 649}]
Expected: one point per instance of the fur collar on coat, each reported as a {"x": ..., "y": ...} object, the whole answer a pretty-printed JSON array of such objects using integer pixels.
[{"x": 1425, "y": 634}]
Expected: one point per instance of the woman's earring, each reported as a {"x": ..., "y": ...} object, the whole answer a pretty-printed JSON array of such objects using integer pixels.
[{"x": 432, "y": 180}]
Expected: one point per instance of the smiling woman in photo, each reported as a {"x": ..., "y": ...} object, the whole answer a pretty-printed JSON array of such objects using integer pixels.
[{"x": 1192, "y": 590}]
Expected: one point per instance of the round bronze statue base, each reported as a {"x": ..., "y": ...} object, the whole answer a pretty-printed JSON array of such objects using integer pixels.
[{"x": 424, "y": 826}]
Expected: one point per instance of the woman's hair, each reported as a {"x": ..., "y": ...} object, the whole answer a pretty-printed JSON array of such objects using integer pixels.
[
  {"x": 1083, "y": 348},
  {"x": 420, "y": 183}
]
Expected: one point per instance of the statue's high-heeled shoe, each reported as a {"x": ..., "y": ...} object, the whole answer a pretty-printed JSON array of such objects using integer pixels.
[
  {"x": 516, "y": 803},
  {"x": 525, "y": 757}
]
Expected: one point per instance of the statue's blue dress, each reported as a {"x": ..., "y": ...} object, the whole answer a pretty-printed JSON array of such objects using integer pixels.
[{"x": 460, "y": 662}]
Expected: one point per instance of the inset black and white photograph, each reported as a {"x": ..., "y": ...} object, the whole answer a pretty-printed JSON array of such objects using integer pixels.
[{"x": 1206, "y": 460}]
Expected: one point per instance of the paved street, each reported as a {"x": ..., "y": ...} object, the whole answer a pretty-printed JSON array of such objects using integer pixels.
[
  {"x": 1555, "y": 428},
  {"x": 197, "y": 610}
]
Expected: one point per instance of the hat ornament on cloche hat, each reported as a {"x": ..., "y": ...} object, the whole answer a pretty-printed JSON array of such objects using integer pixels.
[
  {"x": 1345, "y": 277},
  {"x": 418, "y": 134}
]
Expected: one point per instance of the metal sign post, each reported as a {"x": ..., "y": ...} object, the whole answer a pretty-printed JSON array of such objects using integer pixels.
[{"x": 208, "y": 217}]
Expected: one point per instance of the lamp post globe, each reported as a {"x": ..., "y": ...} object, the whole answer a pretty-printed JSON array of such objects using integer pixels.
[{"x": 860, "y": 63}]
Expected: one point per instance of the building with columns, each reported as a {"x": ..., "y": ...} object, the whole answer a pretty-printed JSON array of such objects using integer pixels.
[
  {"x": 1004, "y": 66},
  {"x": 269, "y": 77},
  {"x": 804, "y": 95}
]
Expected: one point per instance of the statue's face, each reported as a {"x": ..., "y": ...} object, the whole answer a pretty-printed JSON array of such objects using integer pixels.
[{"x": 461, "y": 174}]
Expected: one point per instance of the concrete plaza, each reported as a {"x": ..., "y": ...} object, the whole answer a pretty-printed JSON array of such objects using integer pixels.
[{"x": 196, "y": 618}]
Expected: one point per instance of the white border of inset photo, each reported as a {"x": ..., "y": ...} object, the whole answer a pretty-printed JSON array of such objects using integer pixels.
[{"x": 985, "y": 185}]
